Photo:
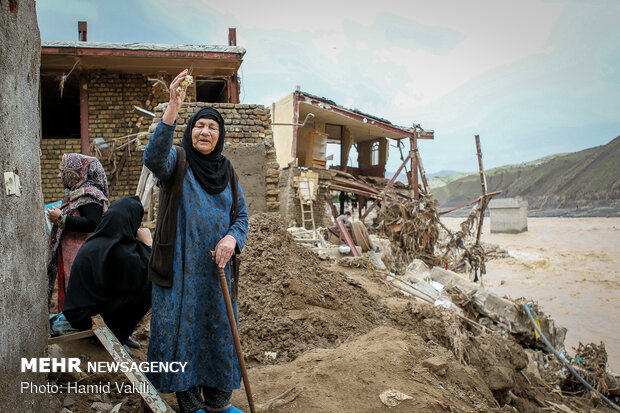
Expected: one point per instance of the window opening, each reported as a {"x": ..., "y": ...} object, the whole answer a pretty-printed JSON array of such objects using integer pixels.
[
  {"x": 211, "y": 90},
  {"x": 60, "y": 116}
]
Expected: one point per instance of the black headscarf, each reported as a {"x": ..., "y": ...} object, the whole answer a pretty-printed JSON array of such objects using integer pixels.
[
  {"x": 212, "y": 171},
  {"x": 112, "y": 261}
]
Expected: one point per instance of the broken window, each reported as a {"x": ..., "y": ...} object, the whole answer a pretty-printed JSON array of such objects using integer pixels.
[
  {"x": 60, "y": 107},
  {"x": 211, "y": 90}
]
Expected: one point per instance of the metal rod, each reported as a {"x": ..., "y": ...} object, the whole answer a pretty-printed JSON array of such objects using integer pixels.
[
  {"x": 295, "y": 124},
  {"x": 388, "y": 186},
  {"x": 489, "y": 195},
  {"x": 343, "y": 230},
  {"x": 233, "y": 328},
  {"x": 566, "y": 363}
]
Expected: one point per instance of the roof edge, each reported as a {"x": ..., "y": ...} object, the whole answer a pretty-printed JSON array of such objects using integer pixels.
[{"x": 144, "y": 46}]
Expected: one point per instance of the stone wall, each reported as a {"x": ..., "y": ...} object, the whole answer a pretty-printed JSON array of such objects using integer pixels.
[
  {"x": 23, "y": 292},
  {"x": 249, "y": 146},
  {"x": 290, "y": 209}
]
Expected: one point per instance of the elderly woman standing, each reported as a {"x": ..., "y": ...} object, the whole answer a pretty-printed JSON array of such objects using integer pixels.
[
  {"x": 202, "y": 208},
  {"x": 85, "y": 201}
]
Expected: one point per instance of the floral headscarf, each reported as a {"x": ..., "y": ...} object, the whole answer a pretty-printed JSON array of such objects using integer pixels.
[
  {"x": 83, "y": 176},
  {"x": 85, "y": 182}
]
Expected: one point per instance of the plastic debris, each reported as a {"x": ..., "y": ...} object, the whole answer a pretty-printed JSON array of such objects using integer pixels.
[{"x": 393, "y": 397}]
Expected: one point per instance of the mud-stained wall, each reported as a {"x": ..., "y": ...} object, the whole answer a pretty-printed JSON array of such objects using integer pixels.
[
  {"x": 248, "y": 160},
  {"x": 23, "y": 296}
]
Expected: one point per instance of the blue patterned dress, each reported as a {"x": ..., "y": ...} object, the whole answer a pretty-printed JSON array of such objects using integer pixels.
[{"x": 189, "y": 320}]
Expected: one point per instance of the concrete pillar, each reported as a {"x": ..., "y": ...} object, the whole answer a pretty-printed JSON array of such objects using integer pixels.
[
  {"x": 23, "y": 241},
  {"x": 508, "y": 215}
]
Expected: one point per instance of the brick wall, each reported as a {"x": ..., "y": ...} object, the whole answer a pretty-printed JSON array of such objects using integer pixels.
[
  {"x": 111, "y": 98},
  {"x": 51, "y": 155},
  {"x": 111, "y": 114}
]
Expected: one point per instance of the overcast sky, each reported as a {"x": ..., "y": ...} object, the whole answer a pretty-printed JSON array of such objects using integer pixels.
[{"x": 531, "y": 77}]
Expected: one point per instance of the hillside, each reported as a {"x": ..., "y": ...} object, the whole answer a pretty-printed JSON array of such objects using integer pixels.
[{"x": 580, "y": 183}]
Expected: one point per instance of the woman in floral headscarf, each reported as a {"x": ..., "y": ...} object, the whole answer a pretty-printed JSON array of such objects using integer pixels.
[{"x": 85, "y": 201}]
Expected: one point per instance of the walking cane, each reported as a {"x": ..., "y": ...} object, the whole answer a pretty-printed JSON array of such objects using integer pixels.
[{"x": 235, "y": 333}]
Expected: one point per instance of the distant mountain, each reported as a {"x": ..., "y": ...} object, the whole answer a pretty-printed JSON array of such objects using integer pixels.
[
  {"x": 442, "y": 173},
  {"x": 436, "y": 179},
  {"x": 587, "y": 179}
]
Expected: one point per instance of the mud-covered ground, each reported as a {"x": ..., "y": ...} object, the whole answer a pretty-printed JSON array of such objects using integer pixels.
[{"x": 323, "y": 338}]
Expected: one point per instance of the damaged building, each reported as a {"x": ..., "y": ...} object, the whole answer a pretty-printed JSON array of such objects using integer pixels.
[
  {"x": 90, "y": 92},
  {"x": 311, "y": 132}
]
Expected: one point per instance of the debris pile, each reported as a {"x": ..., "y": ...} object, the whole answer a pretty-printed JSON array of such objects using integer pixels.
[
  {"x": 416, "y": 232},
  {"x": 301, "y": 318}
]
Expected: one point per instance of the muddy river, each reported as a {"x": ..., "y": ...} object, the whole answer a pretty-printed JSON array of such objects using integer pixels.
[{"x": 571, "y": 266}]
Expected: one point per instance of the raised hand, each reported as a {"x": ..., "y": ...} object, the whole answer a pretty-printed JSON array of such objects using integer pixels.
[{"x": 176, "y": 98}]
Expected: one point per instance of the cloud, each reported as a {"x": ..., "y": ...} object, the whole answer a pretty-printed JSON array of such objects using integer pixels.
[{"x": 524, "y": 75}]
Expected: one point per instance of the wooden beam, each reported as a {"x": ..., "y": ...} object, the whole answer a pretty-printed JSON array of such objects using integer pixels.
[
  {"x": 422, "y": 172},
  {"x": 84, "y": 139},
  {"x": 414, "y": 170},
  {"x": 137, "y": 378},
  {"x": 70, "y": 337},
  {"x": 489, "y": 195},
  {"x": 164, "y": 54},
  {"x": 356, "y": 116},
  {"x": 355, "y": 191},
  {"x": 343, "y": 230},
  {"x": 483, "y": 183},
  {"x": 387, "y": 187}
]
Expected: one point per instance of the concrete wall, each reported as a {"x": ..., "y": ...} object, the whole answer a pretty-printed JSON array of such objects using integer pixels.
[
  {"x": 508, "y": 215},
  {"x": 23, "y": 297}
]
